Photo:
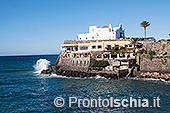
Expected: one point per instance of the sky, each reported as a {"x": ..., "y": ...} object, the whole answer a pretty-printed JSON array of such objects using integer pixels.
[{"x": 41, "y": 26}]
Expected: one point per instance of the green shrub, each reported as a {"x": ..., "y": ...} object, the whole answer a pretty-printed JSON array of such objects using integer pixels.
[
  {"x": 165, "y": 53},
  {"x": 151, "y": 57},
  {"x": 135, "y": 65},
  {"x": 142, "y": 51},
  {"x": 100, "y": 63},
  {"x": 151, "y": 53}
]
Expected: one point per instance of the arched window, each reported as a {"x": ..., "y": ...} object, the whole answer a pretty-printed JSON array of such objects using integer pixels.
[
  {"x": 73, "y": 62},
  {"x": 80, "y": 62},
  {"x": 87, "y": 62},
  {"x": 77, "y": 62},
  {"x": 84, "y": 62}
]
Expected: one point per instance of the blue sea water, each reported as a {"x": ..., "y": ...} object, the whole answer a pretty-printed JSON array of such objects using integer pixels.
[{"x": 23, "y": 90}]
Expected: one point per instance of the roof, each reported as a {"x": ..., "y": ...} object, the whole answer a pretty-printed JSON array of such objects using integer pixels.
[{"x": 105, "y": 26}]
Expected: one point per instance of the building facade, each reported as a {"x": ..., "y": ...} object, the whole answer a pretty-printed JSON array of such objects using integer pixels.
[
  {"x": 103, "y": 33},
  {"x": 106, "y": 43}
]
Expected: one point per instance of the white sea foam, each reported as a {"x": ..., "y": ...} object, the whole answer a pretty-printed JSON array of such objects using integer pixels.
[
  {"x": 99, "y": 77},
  {"x": 61, "y": 76},
  {"x": 41, "y": 64},
  {"x": 149, "y": 79}
]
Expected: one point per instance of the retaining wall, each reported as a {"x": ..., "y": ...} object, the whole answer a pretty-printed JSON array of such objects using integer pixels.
[{"x": 157, "y": 64}]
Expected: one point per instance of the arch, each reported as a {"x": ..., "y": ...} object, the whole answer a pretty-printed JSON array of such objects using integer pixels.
[{"x": 84, "y": 62}]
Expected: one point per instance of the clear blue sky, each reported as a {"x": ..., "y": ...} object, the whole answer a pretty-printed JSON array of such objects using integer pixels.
[{"x": 40, "y": 26}]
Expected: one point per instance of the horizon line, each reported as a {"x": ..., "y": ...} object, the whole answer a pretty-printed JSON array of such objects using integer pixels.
[{"x": 8, "y": 55}]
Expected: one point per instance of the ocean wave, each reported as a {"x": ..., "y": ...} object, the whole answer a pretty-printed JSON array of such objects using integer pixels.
[
  {"x": 41, "y": 64},
  {"x": 149, "y": 79}
]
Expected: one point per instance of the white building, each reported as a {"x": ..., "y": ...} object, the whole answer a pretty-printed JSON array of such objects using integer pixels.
[{"x": 104, "y": 33}]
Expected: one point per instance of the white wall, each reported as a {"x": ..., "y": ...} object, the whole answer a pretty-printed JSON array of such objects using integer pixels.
[{"x": 97, "y": 33}]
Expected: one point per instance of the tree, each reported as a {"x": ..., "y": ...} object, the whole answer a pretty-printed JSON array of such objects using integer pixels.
[
  {"x": 134, "y": 42},
  {"x": 145, "y": 24}
]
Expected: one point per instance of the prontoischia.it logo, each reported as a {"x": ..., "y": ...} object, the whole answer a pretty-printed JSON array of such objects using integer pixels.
[{"x": 108, "y": 102}]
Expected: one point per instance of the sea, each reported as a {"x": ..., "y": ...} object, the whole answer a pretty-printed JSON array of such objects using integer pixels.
[{"x": 24, "y": 89}]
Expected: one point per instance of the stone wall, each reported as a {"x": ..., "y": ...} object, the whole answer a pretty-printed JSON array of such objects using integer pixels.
[
  {"x": 159, "y": 47},
  {"x": 157, "y": 64},
  {"x": 75, "y": 64},
  {"x": 155, "y": 75}
]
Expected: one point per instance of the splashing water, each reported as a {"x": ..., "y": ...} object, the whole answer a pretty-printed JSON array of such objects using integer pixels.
[{"x": 41, "y": 64}]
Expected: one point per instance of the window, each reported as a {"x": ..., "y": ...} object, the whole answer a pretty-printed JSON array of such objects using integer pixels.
[
  {"x": 80, "y": 54},
  {"x": 93, "y": 47},
  {"x": 74, "y": 55},
  {"x": 92, "y": 37},
  {"x": 130, "y": 45},
  {"x": 99, "y": 46},
  {"x": 73, "y": 62},
  {"x": 84, "y": 48},
  {"x": 85, "y": 54},
  {"x": 92, "y": 29},
  {"x": 87, "y": 62},
  {"x": 86, "y": 37},
  {"x": 77, "y": 62},
  {"x": 126, "y": 45},
  {"x": 80, "y": 62},
  {"x": 68, "y": 48},
  {"x": 84, "y": 62},
  {"x": 76, "y": 48},
  {"x": 80, "y": 38},
  {"x": 121, "y": 35}
]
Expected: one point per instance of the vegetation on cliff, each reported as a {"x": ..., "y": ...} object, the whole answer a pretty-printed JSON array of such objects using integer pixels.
[
  {"x": 134, "y": 42},
  {"x": 100, "y": 63}
]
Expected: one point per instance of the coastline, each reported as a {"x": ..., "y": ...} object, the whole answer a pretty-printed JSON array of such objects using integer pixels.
[
  {"x": 64, "y": 69},
  {"x": 54, "y": 69}
]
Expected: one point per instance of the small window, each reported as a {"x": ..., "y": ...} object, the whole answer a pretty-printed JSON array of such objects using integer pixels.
[
  {"x": 130, "y": 45},
  {"x": 80, "y": 62},
  {"x": 99, "y": 46},
  {"x": 74, "y": 55},
  {"x": 84, "y": 62},
  {"x": 77, "y": 62},
  {"x": 93, "y": 47},
  {"x": 126, "y": 45},
  {"x": 86, "y": 37},
  {"x": 87, "y": 62},
  {"x": 85, "y": 54},
  {"x": 76, "y": 48},
  {"x": 92, "y": 29},
  {"x": 92, "y": 37},
  {"x": 73, "y": 62},
  {"x": 80, "y": 38}
]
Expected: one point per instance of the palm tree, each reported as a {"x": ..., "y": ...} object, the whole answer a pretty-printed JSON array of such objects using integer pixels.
[
  {"x": 134, "y": 42},
  {"x": 145, "y": 24}
]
